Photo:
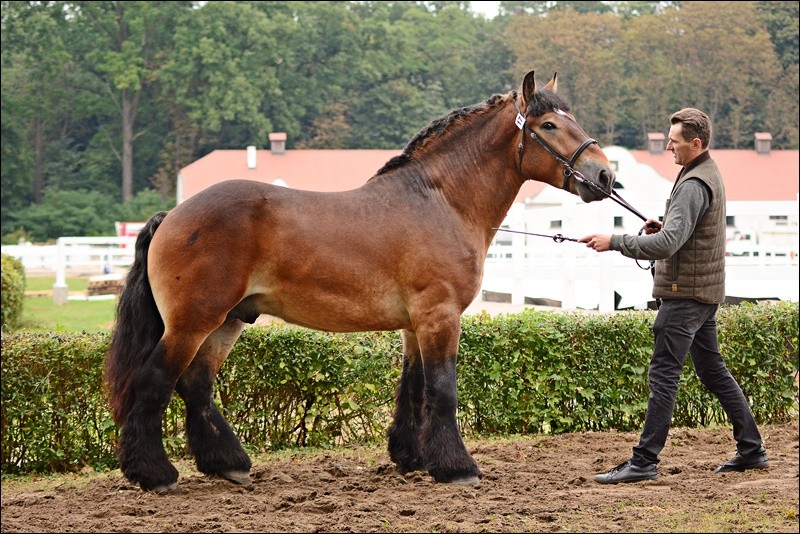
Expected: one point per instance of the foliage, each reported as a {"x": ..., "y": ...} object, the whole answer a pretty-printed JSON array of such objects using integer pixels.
[
  {"x": 67, "y": 213},
  {"x": 116, "y": 97},
  {"x": 83, "y": 213},
  {"x": 284, "y": 386},
  {"x": 550, "y": 377},
  {"x": 53, "y": 411},
  {"x": 142, "y": 206},
  {"x": 12, "y": 293}
]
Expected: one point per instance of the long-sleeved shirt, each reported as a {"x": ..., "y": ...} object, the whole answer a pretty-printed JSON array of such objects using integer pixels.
[{"x": 689, "y": 204}]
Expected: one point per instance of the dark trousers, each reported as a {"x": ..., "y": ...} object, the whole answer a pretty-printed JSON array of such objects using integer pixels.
[{"x": 683, "y": 326}]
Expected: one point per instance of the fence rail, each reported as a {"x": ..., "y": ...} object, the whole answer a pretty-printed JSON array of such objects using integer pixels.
[{"x": 92, "y": 254}]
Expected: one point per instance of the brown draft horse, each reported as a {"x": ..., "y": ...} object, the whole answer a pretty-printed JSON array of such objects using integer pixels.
[{"x": 403, "y": 252}]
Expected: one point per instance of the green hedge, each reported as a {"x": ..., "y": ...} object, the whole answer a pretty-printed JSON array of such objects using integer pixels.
[
  {"x": 284, "y": 386},
  {"x": 12, "y": 292}
]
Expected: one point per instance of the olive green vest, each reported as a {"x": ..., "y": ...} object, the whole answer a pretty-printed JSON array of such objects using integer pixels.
[{"x": 697, "y": 270}]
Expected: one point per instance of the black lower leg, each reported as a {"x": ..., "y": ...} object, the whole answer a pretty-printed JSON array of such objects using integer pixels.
[
  {"x": 403, "y": 434},
  {"x": 446, "y": 456},
  {"x": 140, "y": 451},
  {"x": 216, "y": 448}
]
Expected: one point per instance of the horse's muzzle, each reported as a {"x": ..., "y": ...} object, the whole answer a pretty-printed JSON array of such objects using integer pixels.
[{"x": 598, "y": 188}]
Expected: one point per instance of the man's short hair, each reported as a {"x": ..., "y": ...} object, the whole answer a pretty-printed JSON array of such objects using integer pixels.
[{"x": 695, "y": 124}]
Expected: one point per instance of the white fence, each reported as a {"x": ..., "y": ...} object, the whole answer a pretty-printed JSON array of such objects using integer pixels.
[
  {"x": 537, "y": 267},
  {"x": 87, "y": 254}
]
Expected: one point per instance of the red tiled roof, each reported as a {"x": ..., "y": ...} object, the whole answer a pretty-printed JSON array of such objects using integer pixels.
[
  {"x": 747, "y": 174},
  {"x": 312, "y": 170}
]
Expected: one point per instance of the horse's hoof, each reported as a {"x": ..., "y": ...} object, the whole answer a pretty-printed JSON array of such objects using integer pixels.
[
  {"x": 467, "y": 481},
  {"x": 166, "y": 489},
  {"x": 239, "y": 477}
]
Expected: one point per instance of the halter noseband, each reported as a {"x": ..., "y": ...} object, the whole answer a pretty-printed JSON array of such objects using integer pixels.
[{"x": 569, "y": 170}]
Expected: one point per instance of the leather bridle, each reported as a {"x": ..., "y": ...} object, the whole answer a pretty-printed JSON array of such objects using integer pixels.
[{"x": 569, "y": 170}]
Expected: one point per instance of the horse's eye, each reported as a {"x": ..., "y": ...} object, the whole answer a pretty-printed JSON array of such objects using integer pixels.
[{"x": 548, "y": 126}]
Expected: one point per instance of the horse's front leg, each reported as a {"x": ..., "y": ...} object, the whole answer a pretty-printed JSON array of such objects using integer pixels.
[
  {"x": 445, "y": 455},
  {"x": 404, "y": 432}
]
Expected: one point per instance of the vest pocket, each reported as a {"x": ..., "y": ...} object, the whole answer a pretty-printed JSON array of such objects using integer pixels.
[{"x": 676, "y": 261}]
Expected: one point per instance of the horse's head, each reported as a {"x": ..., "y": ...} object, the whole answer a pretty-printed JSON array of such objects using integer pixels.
[{"x": 561, "y": 153}]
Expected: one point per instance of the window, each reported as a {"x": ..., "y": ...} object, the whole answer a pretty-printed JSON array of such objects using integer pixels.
[
  {"x": 555, "y": 224},
  {"x": 729, "y": 220},
  {"x": 617, "y": 222}
]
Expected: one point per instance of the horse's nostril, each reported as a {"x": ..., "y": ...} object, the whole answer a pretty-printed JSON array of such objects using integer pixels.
[{"x": 607, "y": 179}]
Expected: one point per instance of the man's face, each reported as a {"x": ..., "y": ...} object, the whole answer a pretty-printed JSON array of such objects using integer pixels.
[{"x": 683, "y": 151}]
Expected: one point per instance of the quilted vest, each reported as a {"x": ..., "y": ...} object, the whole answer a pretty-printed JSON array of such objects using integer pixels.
[{"x": 697, "y": 270}]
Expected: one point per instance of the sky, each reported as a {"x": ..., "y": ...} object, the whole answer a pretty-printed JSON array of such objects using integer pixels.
[{"x": 488, "y": 9}]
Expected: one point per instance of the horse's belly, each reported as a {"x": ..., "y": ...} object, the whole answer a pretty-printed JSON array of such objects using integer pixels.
[{"x": 342, "y": 310}]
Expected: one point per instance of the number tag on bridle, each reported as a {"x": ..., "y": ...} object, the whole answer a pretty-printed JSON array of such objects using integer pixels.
[{"x": 519, "y": 121}]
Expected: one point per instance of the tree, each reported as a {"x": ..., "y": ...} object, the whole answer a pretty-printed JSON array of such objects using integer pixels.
[
  {"x": 726, "y": 66},
  {"x": 781, "y": 22},
  {"x": 123, "y": 45},
  {"x": 67, "y": 213},
  {"x": 579, "y": 47},
  {"x": 222, "y": 76},
  {"x": 649, "y": 80},
  {"x": 37, "y": 80},
  {"x": 419, "y": 65}
]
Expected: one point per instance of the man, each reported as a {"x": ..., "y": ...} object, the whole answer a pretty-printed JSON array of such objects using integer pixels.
[{"x": 689, "y": 280}]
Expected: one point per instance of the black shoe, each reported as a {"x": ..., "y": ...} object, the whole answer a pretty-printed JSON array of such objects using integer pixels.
[
  {"x": 757, "y": 460},
  {"x": 628, "y": 472}
]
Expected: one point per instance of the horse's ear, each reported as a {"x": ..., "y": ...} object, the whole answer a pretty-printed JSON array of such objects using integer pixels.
[
  {"x": 528, "y": 87},
  {"x": 552, "y": 84}
]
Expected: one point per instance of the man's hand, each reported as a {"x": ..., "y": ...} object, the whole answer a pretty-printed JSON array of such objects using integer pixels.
[
  {"x": 599, "y": 242},
  {"x": 652, "y": 226}
]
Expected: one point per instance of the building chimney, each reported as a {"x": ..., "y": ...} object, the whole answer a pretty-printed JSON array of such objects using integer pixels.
[
  {"x": 251, "y": 157},
  {"x": 655, "y": 143},
  {"x": 277, "y": 142},
  {"x": 763, "y": 142}
]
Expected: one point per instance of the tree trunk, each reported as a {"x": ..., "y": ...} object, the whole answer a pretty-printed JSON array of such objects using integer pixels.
[
  {"x": 128, "y": 117},
  {"x": 38, "y": 171}
]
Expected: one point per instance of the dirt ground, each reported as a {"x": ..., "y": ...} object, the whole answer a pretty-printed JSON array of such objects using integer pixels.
[{"x": 533, "y": 484}]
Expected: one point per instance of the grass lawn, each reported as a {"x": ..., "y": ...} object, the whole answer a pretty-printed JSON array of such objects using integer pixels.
[
  {"x": 45, "y": 283},
  {"x": 39, "y": 314}
]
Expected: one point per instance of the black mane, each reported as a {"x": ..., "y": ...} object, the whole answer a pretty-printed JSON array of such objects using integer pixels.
[
  {"x": 542, "y": 102},
  {"x": 546, "y": 100}
]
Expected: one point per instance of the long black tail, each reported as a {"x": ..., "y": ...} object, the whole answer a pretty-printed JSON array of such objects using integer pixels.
[{"x": 137, "y": 330}]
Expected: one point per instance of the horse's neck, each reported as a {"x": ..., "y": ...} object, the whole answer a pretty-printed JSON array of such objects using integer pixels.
[{"x": 475, "y": 169}]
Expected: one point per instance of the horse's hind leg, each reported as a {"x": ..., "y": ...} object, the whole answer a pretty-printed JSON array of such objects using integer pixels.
[
  {"x": 140, "y": 451},
  {"x": 216, "y": 448},
  {"x": 446, "y": 457},
  {"x": 403, "y": 434}
]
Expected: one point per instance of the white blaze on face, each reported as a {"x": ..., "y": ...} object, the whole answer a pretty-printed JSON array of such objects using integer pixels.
[{"x": 562, "y": 112}]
